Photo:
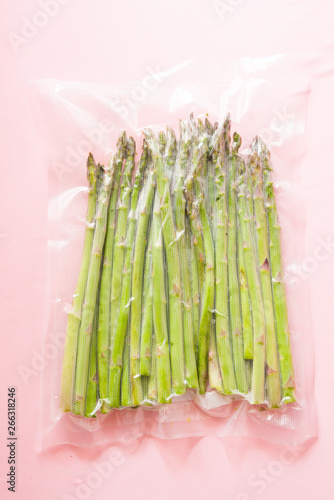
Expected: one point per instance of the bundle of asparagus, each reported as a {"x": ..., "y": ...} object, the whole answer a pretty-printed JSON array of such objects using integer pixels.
[{"x": 181, "y": 282}]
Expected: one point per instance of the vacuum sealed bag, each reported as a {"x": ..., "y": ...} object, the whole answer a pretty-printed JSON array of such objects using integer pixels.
[{"x": 175, "y": 222}]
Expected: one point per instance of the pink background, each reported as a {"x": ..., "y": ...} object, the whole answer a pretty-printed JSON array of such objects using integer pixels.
[{"x": 109, "y": 42}]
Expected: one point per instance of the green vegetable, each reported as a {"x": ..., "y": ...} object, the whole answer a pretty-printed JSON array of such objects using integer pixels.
[
  {"x": 74, "y": 315},
  {"x": 223, "y": 335},
  {"x": 89, "y": 304},
  {"x": 233, "y": 271},
  {"x": 182, "y": 281},
  {"x": 103, "y": 348}
]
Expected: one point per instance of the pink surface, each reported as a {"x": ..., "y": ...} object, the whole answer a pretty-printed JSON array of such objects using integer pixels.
[{"x": 110, "y": 44}]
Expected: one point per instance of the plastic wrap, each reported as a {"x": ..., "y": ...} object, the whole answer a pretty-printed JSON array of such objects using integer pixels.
[{"x": 168, "y": 274}]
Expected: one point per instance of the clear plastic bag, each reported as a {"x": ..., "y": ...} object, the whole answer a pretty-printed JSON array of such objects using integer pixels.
[{"x": 162, "y": 236}]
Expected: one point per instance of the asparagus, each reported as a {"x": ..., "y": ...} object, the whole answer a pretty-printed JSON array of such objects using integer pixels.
[
  {"x": 247, "y": 324},
  {"x": 124, "y": 309},
  {"x": 223, "y": 336},
  {"x": 194, "y": 284},
  {"x": 196, "y": 229},
  {"x": 147, "y": 316},
  {"x": 126, "y": 390},
  {"x": 198, "y": 297},
  {"x": 233, "y": 283},
  {"x": 147, "y": 322},
  {"x": 91, "y": 398},
  {"x": 152, "y": 384},
  {"x": 205, "y": 133},
  {"x": 247, "y": 235},
  {"x": 199, "y": 214},
  {"x": 174, "y": 273},
  {"x": 273, "y": 376},
  {"x": 180, "y": 225},
  {"x": 144, "y": 214},
  {"x": 160, "y": 307},
  {"x": 74, "y": 315},
  {"x": 277, "y": 274},
  {"x": 215, "y": 377},
  {"x": 106, "y": 277},
  {"x": 89, "y": 305}
]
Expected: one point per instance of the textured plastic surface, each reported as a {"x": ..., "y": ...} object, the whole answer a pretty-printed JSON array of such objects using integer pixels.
[{"x": 260, "y": 101}]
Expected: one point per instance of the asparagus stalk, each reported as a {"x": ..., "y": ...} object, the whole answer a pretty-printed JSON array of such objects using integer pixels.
[
  {"x": 194, "y": 284},
  {"x": 89, "y": 305},
  {"x": 205, "y": 133},
  {"x": 119, "y": 257},
  {"x": 247, "y": 306},
  {"x": 91, "y": 398},
  {"x": 126, "y": 390},
  {"x": 152, "y": 395},
  {"x": 247, "y": 324},
  {"x": 223, "y": 336},
  {"x": 199, "y": 214},
  {"x": 246, "y": 223},
  {"x": 196, "y": 229},
  {"x": 277, "y": 274},
  {"x": 215, "y": 377},
  {"x": 180, "y": 225},
  {"x": 124, "y": 309},
  {"x": 235, "y": 306},
  {"x": 107, "y": 269},
  {"x": 174, "y": 272},
  {"x": 147, "y": 322},
  {"x": 74, "y": 315},
  {"x": 144, "y": 214},
  {"x": 273, "y": 376},
  {"x": 160, "y": 307}
]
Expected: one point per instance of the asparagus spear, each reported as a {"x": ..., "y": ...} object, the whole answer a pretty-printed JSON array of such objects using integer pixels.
[
  {"x": 277, "y": 274},
  {"x": 247, "y": 328},
  {"x": 194, "y": 283},
  {"x": 147, "y": 322},
  {"x": 199, "y": 214},
  {"x": 174, "y": 272},
  {"x": 89, "y": 305},
  {"x": 205, "y": 133},
  {"x": 247, "y": 305},
  {"x": 74, "y": 315},
  {"x": 223, "y": 336},
  {"x": 126, "y": 390},
  {"x": 235, "y": 306},
  {"x": 152, "y": 395},
  {"x": 119, "y": 254},
  {"x": 196, "y": 229},
  {"x": 246, "y": 223},
  {"x": 160, "y": 307},
  {"x": 107, "y": 269},
  {"x": 273, "y": 376},
  {"x": 124, "y": 309},
  {"x": 91, "y": 398},
  {"x": 180, "y": 225},
  {"x": 215, "y": 377},
  {"x": 144, "y": 214}
]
